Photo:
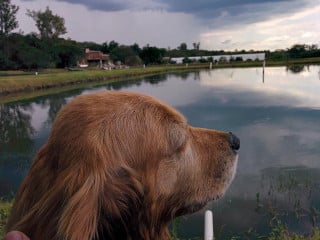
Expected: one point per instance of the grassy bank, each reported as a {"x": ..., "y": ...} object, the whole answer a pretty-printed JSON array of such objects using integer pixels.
[
  {"x": 24, "y": 95},
  {"x": 22, "y": 82},
  {"x": 300, "y": 61}
]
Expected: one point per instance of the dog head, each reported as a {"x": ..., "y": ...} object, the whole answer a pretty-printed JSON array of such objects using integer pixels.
[{"x": 121, "y": 165}]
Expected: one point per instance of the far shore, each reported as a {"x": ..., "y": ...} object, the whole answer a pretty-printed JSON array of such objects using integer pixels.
[{"x": 16, "y": 85}]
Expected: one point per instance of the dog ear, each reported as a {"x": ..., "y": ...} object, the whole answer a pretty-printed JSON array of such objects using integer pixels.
[
  {"x": 121, "y": 202},
  {"x": 108, "y": 194}
]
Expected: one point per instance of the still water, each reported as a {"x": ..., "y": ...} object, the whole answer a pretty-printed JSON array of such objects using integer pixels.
[{"x": 276, "y": 116}]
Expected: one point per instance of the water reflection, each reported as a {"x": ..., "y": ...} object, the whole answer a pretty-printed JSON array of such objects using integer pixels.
[
  {"x": 256, "y": 203},
  {"x": 287, "y": 194},
  {"x": 281, "y": 87},
  {"x": 296, "y": 68},
  {"x": 15, "y": 128},
  {"x": 277, "y": 121},
  {"x": 15, "y": 143}
]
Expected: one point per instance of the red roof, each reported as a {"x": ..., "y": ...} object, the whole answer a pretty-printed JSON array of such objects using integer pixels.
[{"x": 96, "y": 55}]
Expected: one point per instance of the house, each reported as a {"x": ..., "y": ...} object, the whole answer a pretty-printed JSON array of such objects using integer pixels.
[{"x": 93, "y": 58}]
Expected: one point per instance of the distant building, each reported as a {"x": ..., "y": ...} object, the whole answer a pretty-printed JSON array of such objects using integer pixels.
[
  {"x": 93, "y": 58},
  {"x": 225, "y": 58}
]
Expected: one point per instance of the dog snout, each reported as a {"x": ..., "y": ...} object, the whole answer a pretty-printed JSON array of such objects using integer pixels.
[{"x": 234, "y": 141}]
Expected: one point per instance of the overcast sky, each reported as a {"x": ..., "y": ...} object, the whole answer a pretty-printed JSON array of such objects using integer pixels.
[{"x": 216, "y": 24}]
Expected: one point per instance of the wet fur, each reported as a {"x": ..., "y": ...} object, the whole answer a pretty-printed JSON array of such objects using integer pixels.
[{"x": 120, "y": 165}]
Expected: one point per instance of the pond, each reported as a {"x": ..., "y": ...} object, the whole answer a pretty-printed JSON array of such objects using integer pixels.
[{"x": 275, "y": 114}]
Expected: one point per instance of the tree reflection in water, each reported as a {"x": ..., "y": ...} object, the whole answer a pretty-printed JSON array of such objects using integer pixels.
[{"x": 16, "y": 129}]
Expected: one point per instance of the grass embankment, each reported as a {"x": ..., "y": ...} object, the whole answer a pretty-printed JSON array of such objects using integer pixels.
[
  {"x": 19, "y": 83},
  {"x": 22, "y": 82}
]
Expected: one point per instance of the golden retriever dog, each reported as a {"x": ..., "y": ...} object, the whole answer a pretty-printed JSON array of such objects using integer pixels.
[{"x": 120, "y": 165}]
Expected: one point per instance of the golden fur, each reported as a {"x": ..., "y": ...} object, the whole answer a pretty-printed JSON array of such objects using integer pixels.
[{"x": 120, "y": 165}]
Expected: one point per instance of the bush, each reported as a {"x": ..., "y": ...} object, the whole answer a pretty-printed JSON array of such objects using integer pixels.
[
  {"x": 186, "y": 60},
  {"x": 133, "y": 61},
  {"x": 203, "y": 60}
]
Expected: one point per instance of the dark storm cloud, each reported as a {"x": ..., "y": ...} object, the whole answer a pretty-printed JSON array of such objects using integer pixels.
[
  {"x": 198, "y": 7},
  {"x": 119, "y": 5},
  {"x": 235, "y": 11},
  {"x": 101, "y": 5},
  {"x": 211, "y": 12},
  {"x": 216, "y": 5}
]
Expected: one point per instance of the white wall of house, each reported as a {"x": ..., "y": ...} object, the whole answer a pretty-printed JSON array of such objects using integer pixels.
[{"x": 245, "y": 57}]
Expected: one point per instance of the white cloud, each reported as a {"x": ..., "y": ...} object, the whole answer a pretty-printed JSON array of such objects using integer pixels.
[{"x": 278, "y": 32}]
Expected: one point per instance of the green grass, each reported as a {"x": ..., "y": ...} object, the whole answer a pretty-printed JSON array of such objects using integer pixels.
[
  {"x": 23, "y": 95},
  {"x": 280, "y": 232},
  {"x": 4, "y": 213},
  {"x": 301, "y": 61},
  {"x": 18, "y": 83},
  {"x": 22, "y": 72}
]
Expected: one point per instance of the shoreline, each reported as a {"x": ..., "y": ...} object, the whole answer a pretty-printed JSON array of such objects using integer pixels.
[{"x": 24, "y": 85}]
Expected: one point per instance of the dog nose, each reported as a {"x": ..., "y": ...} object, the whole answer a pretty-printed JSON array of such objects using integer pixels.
[{"x": 234, "y": 141}]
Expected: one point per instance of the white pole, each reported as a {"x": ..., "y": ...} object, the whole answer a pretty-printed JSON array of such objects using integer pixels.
[
  {"x": 208, "y": 226},
  {"x": 263, "y": 66}
]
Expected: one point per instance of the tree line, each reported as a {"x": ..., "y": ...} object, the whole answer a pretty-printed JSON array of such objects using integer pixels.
[{"x": 47, "y": 49}]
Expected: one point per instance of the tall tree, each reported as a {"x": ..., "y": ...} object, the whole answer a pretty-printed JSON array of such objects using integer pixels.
[
  {"x": 121, "y": 53},
  {"x": 152, "y": 55},
  {"x": 112, "y": 45},
  {"x": 67, "y": 53},
  {"x": 183, "y": 46},
  {"x": 196, "y": 46},
  {"x": 8, "y": 21},
  {"x": 49, "y": 25}
]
